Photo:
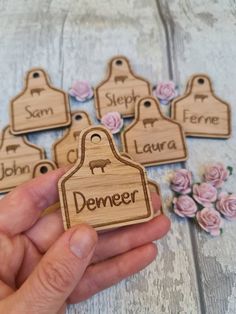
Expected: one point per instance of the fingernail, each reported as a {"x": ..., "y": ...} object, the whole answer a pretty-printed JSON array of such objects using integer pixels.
[{"x": 82, "y": 241}]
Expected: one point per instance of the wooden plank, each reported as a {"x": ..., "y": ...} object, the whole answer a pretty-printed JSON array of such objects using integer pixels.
[
  {"x": 72, "y": 39},
  {"x": 203, "y": 41}
]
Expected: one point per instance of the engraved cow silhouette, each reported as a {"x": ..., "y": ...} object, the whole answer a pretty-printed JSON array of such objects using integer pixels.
[
  {"x": 201, "y": 97},
  {"x": 12, "y": 148},
  {"x": 76, "y": 135},
  {"x": 150, "y": 121},
  {"x": 100, "y": 163},
  {"x": 36, "y": 91},
  {"x": 120, "y": 78}
]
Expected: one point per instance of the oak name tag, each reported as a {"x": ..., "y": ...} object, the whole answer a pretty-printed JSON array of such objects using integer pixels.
[
  {"x": 201, "y": 113},
  {"x": 40, "y": 106},
  {"x": 103, "y": 188},
  {"x": 152, "y": 138},
  {"x": 121, "y": 90},
  {"x": 17, "y": 159}
]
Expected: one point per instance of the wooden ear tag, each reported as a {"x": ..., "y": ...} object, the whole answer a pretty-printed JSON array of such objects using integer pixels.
[
  {"x": 65, "y": 150},
  {"x": 40, "y": 106},
  {"x": 201, "y": 113},
  {"x": 152, "y": 185},
  {"x": 17, "y": 159},
  {"x": 121, "y": 90},
  {"x": 102, "y": 188},
  {"x": 153, "y": 139}
]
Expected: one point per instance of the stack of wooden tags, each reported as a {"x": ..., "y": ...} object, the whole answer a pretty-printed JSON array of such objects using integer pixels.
[{"x": 106, "y": 188}]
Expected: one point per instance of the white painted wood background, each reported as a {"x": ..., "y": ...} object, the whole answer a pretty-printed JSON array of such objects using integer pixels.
[{"x": 173, "y": 39}]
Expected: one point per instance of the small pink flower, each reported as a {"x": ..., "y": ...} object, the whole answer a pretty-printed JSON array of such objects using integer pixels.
[
  {"x": 184, "y": 206},
  {"x": 216, "y": 174},
  {"x": 181, "y": 181},
  {"x": 205, "y": 194},
  {"x": 113, "y": 121},
  {"x": 165, "y": 91},
  {"x": 210, "y": 220},
  {"x": 226, "y": 205},
  {"x": 81, "y": 90}
]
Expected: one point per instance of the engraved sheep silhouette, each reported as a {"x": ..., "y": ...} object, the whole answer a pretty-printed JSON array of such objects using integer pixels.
[
  {"x": 201, "y": 97},
  {"x": 120, "y": 78},
  {"x": 12, "y": 148},
  {"x": 36, "y": 91},
  {"x": 100, "y": 163},
  {"x": 150, "y": 121}
]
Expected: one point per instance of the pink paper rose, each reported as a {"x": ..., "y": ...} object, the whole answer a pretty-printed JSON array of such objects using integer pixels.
[
  {"x": 210, "y": 220},
  {"x": 184, "y": 206},
  {"x": 81, "y": 90},
  {"x": 165, "y": 91},
  {"x": 226, "y": 205},
  {"x": 113, "y": 121},
  {"x": 205, "y": 194},
  {"x": 181, "y": 181},
  {"x": 216, "y": 174}
]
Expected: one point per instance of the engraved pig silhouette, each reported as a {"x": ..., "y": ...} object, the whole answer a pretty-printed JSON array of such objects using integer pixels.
[{"x": 100, "y": 163}]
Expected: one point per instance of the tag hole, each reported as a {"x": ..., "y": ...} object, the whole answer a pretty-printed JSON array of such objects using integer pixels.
[
  {"x": 43, "y": 169},
  {"x": 119, "y": 62},
  {"x": 147, "y": 104},
  {"x": 35, "y": 74},
  {"x": 95, "y": 138},
  {"x": 78, "y": 117},
  {"x": 201, "y": 81}
]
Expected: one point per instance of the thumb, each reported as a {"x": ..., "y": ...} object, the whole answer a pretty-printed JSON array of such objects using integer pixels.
[{"x": 58, "y": 273}]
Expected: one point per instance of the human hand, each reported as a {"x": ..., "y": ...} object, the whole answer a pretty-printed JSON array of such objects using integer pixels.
[{"x": 42, "y": 267}]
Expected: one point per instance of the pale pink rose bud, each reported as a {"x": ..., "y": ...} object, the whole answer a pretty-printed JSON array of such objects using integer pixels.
[
  {"x": 216, "y": 174},
  {"x": 184, "y": 206},
  {"x": 181, "y": 181},
  {"x": 226, "y": 205},
  {"x": 205, "y": 194},
  {"x": 113, "y": 121},
  {"x": 210, "y": 220},
  {"x": 165, "y": 91},
  {"x": 81, "y": 90}
]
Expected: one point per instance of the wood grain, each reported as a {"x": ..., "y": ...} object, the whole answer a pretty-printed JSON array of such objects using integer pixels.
[
  {"x": 121, "y": 90},
  {"x": 39, "y": 106},
  {"x": 198, "y": 33},
  {"x": 17, "y": 159},
  {"x": 65, "y": 149},
  {"x": 152, "y": 138},
  {"x": 115, "y": 190},
  {"x": 164, "y": 40},
  {"x": 200, "y": 111}
]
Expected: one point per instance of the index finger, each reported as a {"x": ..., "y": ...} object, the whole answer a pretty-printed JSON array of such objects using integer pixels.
[{"x": 22, "y": 207}]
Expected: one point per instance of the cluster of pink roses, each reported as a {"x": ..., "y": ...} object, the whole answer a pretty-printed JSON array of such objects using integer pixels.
[{"x": 202, "y": 200}]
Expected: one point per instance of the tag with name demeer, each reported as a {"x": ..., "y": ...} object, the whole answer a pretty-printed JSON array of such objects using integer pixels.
[
  {"x": 200, "y": 111},
  {"x": 121, "y": 90},
  {"x": 17, "y": 160},
  {"x": 103, "y": 189},
  {"x": 65, "y": 150},
  {"x": 40, "y": 106},
  {"x": 152, "y": 138}
]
